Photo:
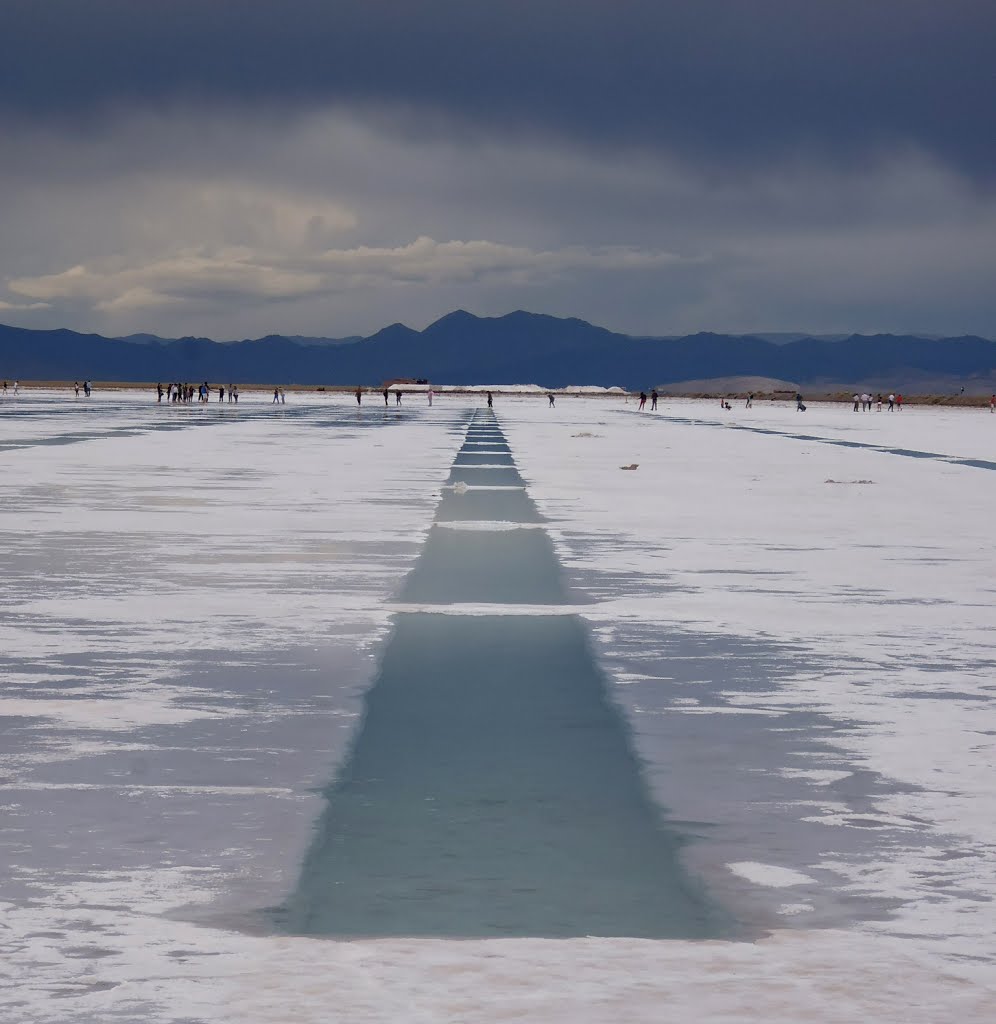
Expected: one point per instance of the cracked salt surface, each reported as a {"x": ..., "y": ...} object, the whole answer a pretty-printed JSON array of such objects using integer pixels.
[{"x": 226, "y": 588}]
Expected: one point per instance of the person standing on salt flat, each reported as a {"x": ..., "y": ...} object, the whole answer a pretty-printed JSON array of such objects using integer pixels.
[
  {"x": 430, "y": 398},
  {"x": 491, "y": 400},
  {"x": 17, "y": 387},
  {"x": 552, "y": 402},
  {"x": 397, "y": 397},
  {"x": 276, "y": 397},
  {"x": 221, "y": 392},
  {"x": 359, "y": 396},
  {"x": 76, "y": 387},
  {"x": 892, "y": 402},
  {"x": 5, "y": 387},
  {"x": 653, "y": 400},
  {"x": 800, "y": 406},
  {"x": 992, "y": 403},
  {"x": 86, "y": 388},
  {"x": 385, "y": 396},
  {"x": 643, "y": 401},
  {"x": 750, "y": 402}
]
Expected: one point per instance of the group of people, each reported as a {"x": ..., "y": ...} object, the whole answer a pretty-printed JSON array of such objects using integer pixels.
[
  {"x": 387, "y": 392},
  {"x": 184, "y": 393},
  {"x": 430, "y": 394},
  {"x": 17, "y": 387},
  {"x": 864, "y": 401}
]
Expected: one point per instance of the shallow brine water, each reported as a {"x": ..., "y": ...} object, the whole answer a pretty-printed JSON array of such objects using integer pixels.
[{"x": 492, "y": 789}]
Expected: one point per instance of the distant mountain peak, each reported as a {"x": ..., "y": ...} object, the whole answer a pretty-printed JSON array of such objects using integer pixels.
[
  {"x": 458, "y": 316},
  {"x": 395, "y": 330},
  {"x": 515, "y": 348}
]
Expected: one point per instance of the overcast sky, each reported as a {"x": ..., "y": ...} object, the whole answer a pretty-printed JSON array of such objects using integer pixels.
[{"x": 234, "y": 168}]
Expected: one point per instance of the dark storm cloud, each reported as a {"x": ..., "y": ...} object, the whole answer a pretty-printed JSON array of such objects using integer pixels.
[{"x": 707, "y": 80}]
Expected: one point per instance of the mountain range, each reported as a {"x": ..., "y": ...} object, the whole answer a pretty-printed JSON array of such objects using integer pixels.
[{"x": 519, "y": 347}]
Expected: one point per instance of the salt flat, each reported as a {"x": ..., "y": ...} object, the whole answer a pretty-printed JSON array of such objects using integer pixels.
[{"x": 797, "y": 633}]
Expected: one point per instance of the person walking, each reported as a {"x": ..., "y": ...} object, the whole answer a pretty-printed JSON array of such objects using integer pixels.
[
  {"x": 892, "y": 402},
  {"x": 233, "y": 393},
  {"x": 750, "y": 401},
  {"x": 385, "y": 396},
  {"x": 276, "y": 397},
  {"x": 359, "y": 396},
  {"x": 800, "y": 405},
  {"x": 653, "y": 400},
  {"x": 643, "y": 401},
  {"x": 549, "y": 395},
  {"x": 899, "y": 403},
  {"x": 397, "y": 397}
]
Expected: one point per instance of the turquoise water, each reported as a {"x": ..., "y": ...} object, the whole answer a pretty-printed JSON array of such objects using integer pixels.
[
  {"x": 506, "y": 566},
  {"x": 511, "y": 506},
  {"x": 492, "y": 788}
]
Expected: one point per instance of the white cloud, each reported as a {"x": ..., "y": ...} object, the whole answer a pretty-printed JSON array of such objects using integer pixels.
[
  {"x": 201, "y": 276},
  {"x": 21, "y": 306},
  {"x": 337, "y": 222}
]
